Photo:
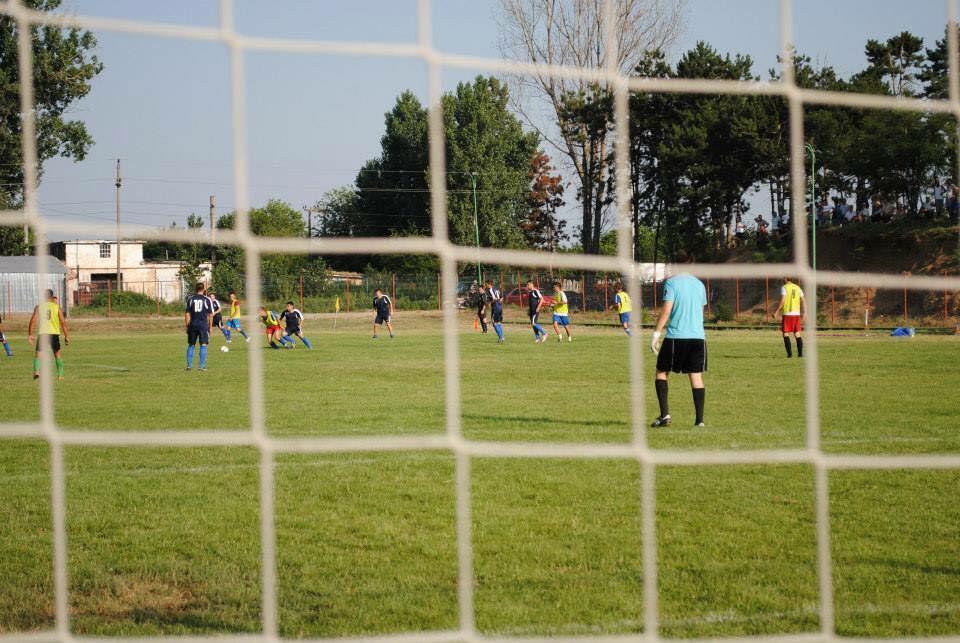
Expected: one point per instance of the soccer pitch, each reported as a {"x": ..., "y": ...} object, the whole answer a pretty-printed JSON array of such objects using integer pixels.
[{"x": 167, "y": 540}]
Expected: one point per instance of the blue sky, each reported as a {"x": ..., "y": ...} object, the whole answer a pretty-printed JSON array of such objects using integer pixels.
[{"x": 163, "y": 105}]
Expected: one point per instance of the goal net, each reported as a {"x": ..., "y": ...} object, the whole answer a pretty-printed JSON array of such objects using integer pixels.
[{"x": 453, "y": 440}]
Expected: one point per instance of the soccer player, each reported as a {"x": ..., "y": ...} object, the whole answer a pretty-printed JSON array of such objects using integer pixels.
[
  {"x": 271, "y": 322},
  {"x": 217, "y": 315},
  {"x": 198, "y": 320},
  {"x": 534, "y": 304},
  {"x": 685, "y": 348},
  {"x": 51, "y": 326},
  {"x": 482, "y": 301},
  {"x": 233, "y": 322},
  {"x": 3, "y": 340},
  {"x": 384, "y": 308},
  {"x": 496, "y": 309},
  {"x": 294, "y": 319},
  {"x": 793, "y": 307},
  {"x": 621, "y": 301},
  {"x": 561, "y": 312}
]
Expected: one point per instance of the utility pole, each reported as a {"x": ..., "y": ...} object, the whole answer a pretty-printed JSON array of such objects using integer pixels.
[
  {"x": 213, "y": 249},
  {"x": 310, "y": 210},
  {"x": 476, "y": 225},
  {"x": 118, "y": 184}
]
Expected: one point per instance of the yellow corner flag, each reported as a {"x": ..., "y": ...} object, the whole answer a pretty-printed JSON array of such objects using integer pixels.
[{"x": 336, "y": 306}]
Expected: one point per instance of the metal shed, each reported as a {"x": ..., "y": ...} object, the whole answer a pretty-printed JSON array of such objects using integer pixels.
[{"x": 20, "y": 283}]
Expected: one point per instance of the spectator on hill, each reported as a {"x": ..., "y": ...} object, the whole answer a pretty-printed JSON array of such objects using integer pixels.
[{"x": 938, "y": 197}]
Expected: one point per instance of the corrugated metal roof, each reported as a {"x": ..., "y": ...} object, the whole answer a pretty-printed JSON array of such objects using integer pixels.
[{"x": 28, "y": 265}]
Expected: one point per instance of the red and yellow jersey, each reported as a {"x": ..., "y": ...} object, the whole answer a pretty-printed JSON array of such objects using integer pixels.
[{"x": 792, "y": 296}]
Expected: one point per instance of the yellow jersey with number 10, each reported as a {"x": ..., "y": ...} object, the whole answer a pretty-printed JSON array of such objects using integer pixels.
[{"x": 49, "y": 318}]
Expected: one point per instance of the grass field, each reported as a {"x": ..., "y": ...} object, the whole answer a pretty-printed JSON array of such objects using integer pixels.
[{"x": 167, "y": 540}]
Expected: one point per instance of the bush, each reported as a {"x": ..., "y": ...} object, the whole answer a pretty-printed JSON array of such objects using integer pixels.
[
  {"x": 128, "y": 302},
  {"x": 722, "y": 312}
]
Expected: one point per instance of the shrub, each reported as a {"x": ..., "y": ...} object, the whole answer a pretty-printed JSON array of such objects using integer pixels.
[{"x": 722, "y": 312}]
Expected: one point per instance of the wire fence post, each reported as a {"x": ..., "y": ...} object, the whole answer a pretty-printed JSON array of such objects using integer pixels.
[
  {"x": 946, "y": 316},
  {"x": 709, "y": 293},
  {"x": 766, "y": 299},
  {"x": 439, "y": 300},
  {"x": 906, "y": 313},
  {"x": 583, "y": 293},
  {"x": 606, "y": 291},
  {"x": 394, "y": 276},
  {"x": 301, "y": 289},
  {"x": 519, "y": 293},
  {"x": 833, "y": 305},
  {"x": 348, "y": 295},
  {"x": 737, "y": 299},
  {"x": 654, "y": 288},
  {"x": 109, "y": 298},
  {"x": 501, "y": 283},
  {"x": 866, "y": 312},
  {"x": 156, "y": 293}
]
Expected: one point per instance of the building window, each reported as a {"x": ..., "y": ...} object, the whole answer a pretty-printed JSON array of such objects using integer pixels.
[{"x": 104, "y": 250}]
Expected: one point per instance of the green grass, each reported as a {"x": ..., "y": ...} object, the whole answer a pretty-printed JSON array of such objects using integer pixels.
[{"x": 167, "y": 541}]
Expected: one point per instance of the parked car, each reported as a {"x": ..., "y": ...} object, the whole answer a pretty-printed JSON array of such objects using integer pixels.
[{"x": 519, "y": 296}]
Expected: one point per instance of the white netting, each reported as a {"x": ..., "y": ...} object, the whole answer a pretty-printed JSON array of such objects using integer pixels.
[{"x": 449, "y": 255}]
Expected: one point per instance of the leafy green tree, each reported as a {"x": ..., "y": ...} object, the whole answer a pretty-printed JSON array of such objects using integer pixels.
[{"x": 63, "y": 66}]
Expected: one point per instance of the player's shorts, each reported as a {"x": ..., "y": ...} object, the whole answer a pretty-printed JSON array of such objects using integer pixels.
[
  {"x": 3, "y": 339},
  {"x": 534, "y": 317},
  {"x": 218, "y": 321},
  {"x": 234, "y": 324},
  {"x": 270, "y": 330},
  {"x": 791, "y": 323},
  {"x": 381, "y": 319},
  {"x": 497, "y": 315},
  {"x": 561, "y": 320},
  {"x": 53, "y": 341},
  {"x": 682, "y": 356},
  {"x": 198, "y": 334},
  {"x": 295, "y": 330},
  {"x": 624, "y": 318}
]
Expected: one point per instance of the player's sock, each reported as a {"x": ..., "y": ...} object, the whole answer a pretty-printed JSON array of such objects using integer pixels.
[
  {"x": 203, "y": 356},
  {"x": 226, "y": 333},
  {"x": 190, "y": 356},
  {"x": 6, "y": 347},
  {"x": 273, "y": 344},
  {"x": 786, "y": 344},
  {"x": 59, "y": 362},
  {"x": 627, "y": 331},
  {"x": 699, "y": 394},
  {"x": 799, "y": 347},
  {"x": 36, "y": 364},
  {"x": 499, "y": 329},
  {"x": 286, "y": 338},
  {"x": 306, "y": 342},
  {"x": 661, "y": 386},
  {"x": 244, "y": 333}
]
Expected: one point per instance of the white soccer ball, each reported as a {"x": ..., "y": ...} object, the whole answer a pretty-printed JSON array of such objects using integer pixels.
[{"x": 224, "y": 349}]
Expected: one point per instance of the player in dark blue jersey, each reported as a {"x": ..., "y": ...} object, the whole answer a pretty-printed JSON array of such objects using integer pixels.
[
  {"x": 3, "y": 340},
  {"x": 218, "y": 315},
  {"x": 495, "y": 298},
  {"x": 384, "y": 307},
  {"x": 535, "y": 303},
  {"x": 198, "y": 318},
  {"x": 294, "y": 320}
]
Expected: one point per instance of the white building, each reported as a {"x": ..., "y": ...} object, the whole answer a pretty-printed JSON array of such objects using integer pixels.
[{"x": 92, "y": 268}]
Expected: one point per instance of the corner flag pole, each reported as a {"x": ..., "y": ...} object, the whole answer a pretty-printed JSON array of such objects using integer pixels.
[{"x": 336, "y": 312}]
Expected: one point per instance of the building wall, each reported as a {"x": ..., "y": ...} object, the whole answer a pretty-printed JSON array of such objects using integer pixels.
[{"x": 20, "y": 292}]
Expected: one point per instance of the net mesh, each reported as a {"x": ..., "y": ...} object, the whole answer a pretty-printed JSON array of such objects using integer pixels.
[{"x": 438, "y": 244}]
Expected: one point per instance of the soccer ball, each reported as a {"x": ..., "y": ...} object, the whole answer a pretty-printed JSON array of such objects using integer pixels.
[{"x": 224, "y": 349}]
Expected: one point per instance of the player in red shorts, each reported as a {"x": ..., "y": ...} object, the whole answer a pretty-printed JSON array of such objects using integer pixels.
[{"x": 793, "y": 307}]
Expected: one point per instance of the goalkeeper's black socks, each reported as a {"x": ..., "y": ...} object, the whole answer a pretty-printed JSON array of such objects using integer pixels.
[
  {"x": 661, "y": 386},
  {"x": 799, "y": 347},
  {"x": 699, "y": 397},
  {"x": 786, "y": 344}
]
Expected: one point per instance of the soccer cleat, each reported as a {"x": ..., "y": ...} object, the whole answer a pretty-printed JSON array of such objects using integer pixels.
[
  {"x": 559, "y": 339},
  {"x": 569, "y": 339},
  {"x": 248, "y": 340},
  {"x": 202, "y": 369},
  {"x": 188, "y": 369},
  {"x": 699, "y": 425},
  {"x": 36, "y": 376},
  {"x": 375, "y": 337},
  {"x": 664, "y": 421}
]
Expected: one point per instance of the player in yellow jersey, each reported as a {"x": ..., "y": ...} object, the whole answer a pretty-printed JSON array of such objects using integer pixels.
[
  {"x": 51, "y": 326},
  {"x": 271, "y": 322},
  {"x": 561, "y": 312},
  {"x": 233, "y": 321},
  {"x": 621, "y": 301},
  {"x": 793, "y": 307}
]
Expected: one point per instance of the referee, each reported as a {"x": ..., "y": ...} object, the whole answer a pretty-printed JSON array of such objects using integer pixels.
[{"x": 685, "y": 348}]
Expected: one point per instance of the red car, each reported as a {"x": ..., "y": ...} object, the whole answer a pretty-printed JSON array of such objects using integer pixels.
[{"x": 519, "y": 297}]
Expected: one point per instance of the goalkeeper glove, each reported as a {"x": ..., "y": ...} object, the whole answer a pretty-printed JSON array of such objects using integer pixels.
[{"x": 655, "y": 342}]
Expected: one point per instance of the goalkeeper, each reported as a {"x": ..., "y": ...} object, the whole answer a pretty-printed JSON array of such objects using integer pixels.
[{"x": 685, "y": 348}]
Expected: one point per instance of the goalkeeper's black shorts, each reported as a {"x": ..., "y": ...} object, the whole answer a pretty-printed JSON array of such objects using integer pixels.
[{"x": 682, "y": 356}]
